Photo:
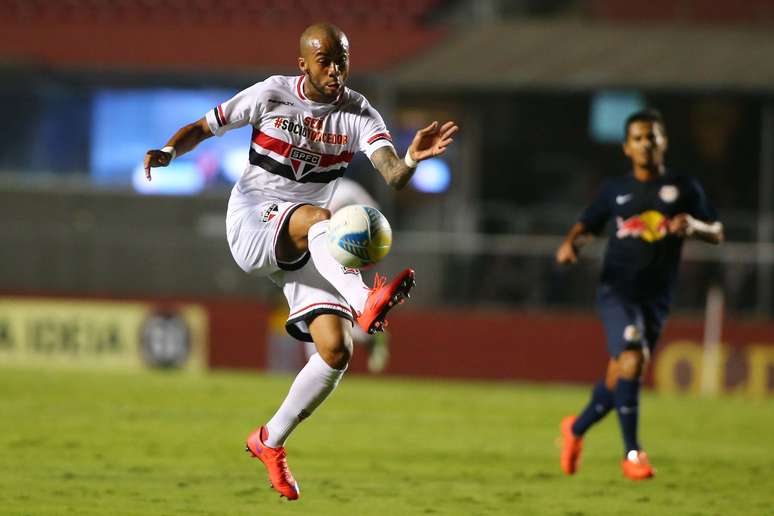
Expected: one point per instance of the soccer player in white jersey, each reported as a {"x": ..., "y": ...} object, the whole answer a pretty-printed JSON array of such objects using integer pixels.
[{"x": 305, "y": 132}]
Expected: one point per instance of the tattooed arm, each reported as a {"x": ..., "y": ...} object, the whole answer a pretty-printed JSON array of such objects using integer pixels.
[{"x": 428, "y": 142}]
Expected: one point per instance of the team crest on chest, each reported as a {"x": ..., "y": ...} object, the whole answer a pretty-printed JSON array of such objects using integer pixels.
[
  {"x": 669, "y": 193},
  {"x": 303, "y": 161}
]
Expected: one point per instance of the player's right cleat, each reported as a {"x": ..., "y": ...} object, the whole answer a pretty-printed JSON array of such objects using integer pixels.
[
  {"x": 275, "y": 460},
  {"x": 636, "y": 466},
  {"x": 382, "y": 298},
  {"x": 572, "y": 445}
]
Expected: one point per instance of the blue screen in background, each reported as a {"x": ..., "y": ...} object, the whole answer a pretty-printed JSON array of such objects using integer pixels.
[
  {"x": 126, "y": 123},
  {"x": 609, "y": 111},
  {"x": 432, "y": 176}
]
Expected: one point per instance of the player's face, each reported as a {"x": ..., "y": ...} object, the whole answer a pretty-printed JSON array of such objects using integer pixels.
[
  {"x": 326, "y": 66},
  {"x": 645, "y": 144}
]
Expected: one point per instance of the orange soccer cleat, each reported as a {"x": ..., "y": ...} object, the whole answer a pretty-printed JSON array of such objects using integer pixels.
[
  {"x": 382, "y": 298},
  {"x": 572, "y": 445},
  {"x": 275, "y": 460},
  {"x": 636, "y": 466}
]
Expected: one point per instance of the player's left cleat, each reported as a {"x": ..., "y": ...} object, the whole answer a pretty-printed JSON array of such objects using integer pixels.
[
  {"x": 382, "y": 298},
  {"x": 275, "y": 460},
  {"x": 636, "y": 466},
  {"x": 572, "y": 446}
]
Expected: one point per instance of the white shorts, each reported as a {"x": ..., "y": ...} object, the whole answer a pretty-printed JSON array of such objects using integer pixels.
[
  {"x": 309, "y": 295},
  {"x": 253, "y": 226}
]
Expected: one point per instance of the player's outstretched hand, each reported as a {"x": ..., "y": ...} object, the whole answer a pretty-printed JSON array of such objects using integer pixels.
[
  {"x": 567, "y": 253},
  {"x": 156, "y": 158},
  {"x": 679, "y": 225},
  {"x": 432, "y": 140}
]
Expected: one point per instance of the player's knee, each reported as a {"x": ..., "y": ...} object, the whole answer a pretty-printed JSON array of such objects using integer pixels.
[
  {"x": 317, "y": 214},
  {"x": 631, "y": 364},
  {"x": 336, "y": 354},
  {"x": 294, "y": 240},
  {"x": 333, "y": 339},
  {"x": 335, "y": 348}
]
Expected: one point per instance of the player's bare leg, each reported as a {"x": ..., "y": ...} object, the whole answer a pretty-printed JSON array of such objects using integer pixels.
[
  {"x": 294, "y": 239},
  {"x": 314, "y": 383},
  {"x": 377, "y": 346},
  {"x": 308, "y": 230},
  {"x": 332, "y": 337},
  {"x": 611, "y": 375}
]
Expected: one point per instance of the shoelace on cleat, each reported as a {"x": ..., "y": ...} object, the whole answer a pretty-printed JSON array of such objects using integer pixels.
[
  {"x": 380, "y": 325},
  {"x": 283, "y": 465},
  {"x": 379, "y": 281}
]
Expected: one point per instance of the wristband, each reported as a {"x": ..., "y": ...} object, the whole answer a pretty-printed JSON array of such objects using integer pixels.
[
  {"x": 170, "y": 150},
  {"x": 695, "y": 225},
  {"x": 409, "y": 161}
]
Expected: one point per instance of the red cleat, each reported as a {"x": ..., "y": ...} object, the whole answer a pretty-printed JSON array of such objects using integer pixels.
[
  {"x": 572, "y": 445},
  {"x": 276, "y": 464},
  {"x": 636, "y": 466},
  {"x": 382, "y": 298}
]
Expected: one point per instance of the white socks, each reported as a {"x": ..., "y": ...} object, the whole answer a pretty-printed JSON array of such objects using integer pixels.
[
  {"x": 313, "y": 384},
  {"x": 349, "y": 284},
  {"x": 317, "y": 379}
]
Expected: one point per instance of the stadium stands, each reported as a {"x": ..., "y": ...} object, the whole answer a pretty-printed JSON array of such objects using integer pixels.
[
  {"x": 382, "y": 12},
  {"x": 224, "y": 34},
  {"x": 755, "y": 12}
]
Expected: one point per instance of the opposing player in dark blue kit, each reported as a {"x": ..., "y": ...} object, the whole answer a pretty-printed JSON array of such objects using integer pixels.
[{"x": 654, "y": 210}]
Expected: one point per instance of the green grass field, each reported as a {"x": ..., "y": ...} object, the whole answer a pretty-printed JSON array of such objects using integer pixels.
[{"x": 102, "y": 443}]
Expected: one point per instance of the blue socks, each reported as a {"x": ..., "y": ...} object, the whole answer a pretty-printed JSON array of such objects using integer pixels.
[
  {"x": 627, "y": 401},
  {"x": 602, "y": 401}
]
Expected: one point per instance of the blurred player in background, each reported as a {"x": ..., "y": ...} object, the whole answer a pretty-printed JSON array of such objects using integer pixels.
[
  {"x": 306, "y": 130},
  {"x": 654, "y": 210},
  {"x": 349, "y": 192}
]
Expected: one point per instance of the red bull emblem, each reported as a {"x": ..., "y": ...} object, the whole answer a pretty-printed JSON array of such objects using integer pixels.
[{"x": 649, "y": 226}]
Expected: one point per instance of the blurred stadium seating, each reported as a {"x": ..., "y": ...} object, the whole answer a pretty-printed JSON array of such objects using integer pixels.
[
  {"x": 751, "y": 12},
  {"x": 255, "y": 12},
  {"x": 221, "y": 34}
]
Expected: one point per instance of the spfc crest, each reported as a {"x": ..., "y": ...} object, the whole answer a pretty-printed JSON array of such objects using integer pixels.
[
  {"x": 269, "y": 213},
  {"x": 303, "y": 161}
]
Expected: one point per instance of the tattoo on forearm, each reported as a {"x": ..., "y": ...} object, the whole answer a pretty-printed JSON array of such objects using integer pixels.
[{"x": 394, "y": 170}]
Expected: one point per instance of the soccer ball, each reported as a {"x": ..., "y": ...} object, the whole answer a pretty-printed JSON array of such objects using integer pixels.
[{"x": 358, "y": 236}]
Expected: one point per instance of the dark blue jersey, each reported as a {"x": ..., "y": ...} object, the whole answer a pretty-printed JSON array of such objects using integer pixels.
[{"x": 642, "y": 258}]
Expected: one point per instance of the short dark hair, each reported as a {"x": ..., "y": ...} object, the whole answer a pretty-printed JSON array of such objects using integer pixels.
[{"x": 645, "y": 115}]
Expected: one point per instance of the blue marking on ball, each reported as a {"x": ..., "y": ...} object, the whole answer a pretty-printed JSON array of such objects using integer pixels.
[{"x": 356, "y": 243}]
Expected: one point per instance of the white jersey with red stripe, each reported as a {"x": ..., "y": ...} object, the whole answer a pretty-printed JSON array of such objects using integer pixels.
[{"x": 299, "y": 148}]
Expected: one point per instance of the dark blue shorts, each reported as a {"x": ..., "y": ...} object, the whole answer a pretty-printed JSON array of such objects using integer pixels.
[{"x": 630, "y": 324}]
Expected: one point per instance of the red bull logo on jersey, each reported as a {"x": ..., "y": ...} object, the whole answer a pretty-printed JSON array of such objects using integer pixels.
[{"x": 649, "y": 226}]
